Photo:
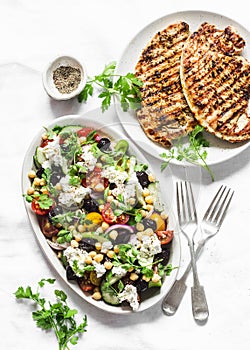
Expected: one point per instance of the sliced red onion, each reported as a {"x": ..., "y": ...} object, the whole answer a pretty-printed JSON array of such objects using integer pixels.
[
  {"x": 58, "y": 246},
  {"x": 118, "y": 227}
]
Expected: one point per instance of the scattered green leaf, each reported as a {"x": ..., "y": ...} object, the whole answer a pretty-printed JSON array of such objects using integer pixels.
[
  {"x": 57, "y": 317},
  {"x": 193, "y": 153},
  {"x": 126, "y": 87}
]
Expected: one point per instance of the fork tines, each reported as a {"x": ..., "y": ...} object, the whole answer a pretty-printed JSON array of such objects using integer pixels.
[
  {"x": 219, "y": 205},
  {"x": 185, "y": 202}
]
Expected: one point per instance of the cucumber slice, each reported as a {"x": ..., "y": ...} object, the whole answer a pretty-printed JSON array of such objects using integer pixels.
[
  {"x": 108, "y": 293},
  {"x": 100, "y": 239},
  {"x": 109, "y": 296},
  {"x": 121, "y": 146},
  {"x": 70, "y": 129},
  {"x": 39, "y": 157}
]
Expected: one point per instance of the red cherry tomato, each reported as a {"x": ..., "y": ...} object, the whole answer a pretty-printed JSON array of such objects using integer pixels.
[
  {"x": 47, "y": 228},
  {"x": 35, "y": 206},
  {"x": 166, "y": 236},
  {"x": 109, "y": 216},
  {"x": 94, "y": 180},
  {"x": 45, "y": 142},
  {"x": 84, "y": 132}
]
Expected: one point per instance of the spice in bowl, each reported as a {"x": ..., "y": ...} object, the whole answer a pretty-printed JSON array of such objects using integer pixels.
[{"x": 66, "y": 79}]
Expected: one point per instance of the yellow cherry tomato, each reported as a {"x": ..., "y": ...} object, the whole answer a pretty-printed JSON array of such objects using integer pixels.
[{"x": 160, "y": 223}]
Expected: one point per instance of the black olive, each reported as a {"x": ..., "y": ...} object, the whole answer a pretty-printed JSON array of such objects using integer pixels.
[
  {"x": 57, "y": 174},
  {"x": 164, "y": 255},
  {"x": 39, "y": 172},
  {"x": 55, "y": 178},
  {"x": 54, "y": 211},
  {"x": 104, "y": 144},
  {"x": 90, "y": 205},
  {"x": 71, "y": 276},
  {"x": 143, "y": 178},
  {"x": 112, "y": 186},
  {"x": 149, "y": 223},
  {"x": 87, "y": 244},
  {"x": 141, "y": 285},
  {"x": 123, "y": 236}
]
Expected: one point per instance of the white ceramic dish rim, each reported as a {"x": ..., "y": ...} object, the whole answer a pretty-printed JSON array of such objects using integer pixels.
[
  {"x": 86, "y": 120},
  {"x": 48, "y": 82},
  {"x": 219, "y": 151}
]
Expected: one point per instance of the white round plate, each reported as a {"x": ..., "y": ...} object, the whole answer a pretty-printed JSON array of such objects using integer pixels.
[
  {"x": 219, "y": 150},
  {"x": 88, "y": 119}
]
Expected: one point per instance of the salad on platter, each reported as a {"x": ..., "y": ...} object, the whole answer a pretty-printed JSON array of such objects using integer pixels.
[{"x": 100, "y": 211}]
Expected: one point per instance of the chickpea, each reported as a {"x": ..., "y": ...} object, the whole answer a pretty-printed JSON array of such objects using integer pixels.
[
  {"x": 92, "y": 254},
  {"x": 149, "y": 231},
  {"x": 74, "y": 243},
  {"x": 113, "y": 234},
  {"x": 110, "y": 254},
  {"x": 156, "y": 278},
  {"x": 42, "y": 182},
  {"x": 30, "y": 191},
  {"x": 98, "y": 246},
  {"x": 116, "y": 249},
  {"x": 149, "y": 199},
  {"x": 151, "y": 177},
  {"x": 36, "y": 181},
  {"x": 145, "y": 278},
  {"x": 108, "y": 265},
  {"x": 44, "y": 191},
  {"x": 32, "y": 174},
  {"x": 88, "y": 260},
  {"x": 97, "y": 296},
  {"x": 98, "y": 258},
  {"x": 109, "y": 199},
  {"x": 81, "y": 228},
  {"x": 145, "y": 192},
  {"x": 133, "y": 276},
  {"x": 58, "y": 187},
  {"x": 139, "y": 226},
  {"x": 105, "y": 225}
]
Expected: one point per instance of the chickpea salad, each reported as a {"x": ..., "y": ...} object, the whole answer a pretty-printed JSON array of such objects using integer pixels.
[{"x": 100, "y": 211}]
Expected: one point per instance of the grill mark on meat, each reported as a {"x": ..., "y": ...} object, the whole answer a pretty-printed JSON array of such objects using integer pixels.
[
  {"x": 216, "y": 81},
  {"x": 164, "y": 114}
]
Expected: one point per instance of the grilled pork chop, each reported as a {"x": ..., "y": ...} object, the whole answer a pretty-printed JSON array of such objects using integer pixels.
[
  {"x": 164, "y": 113},
  {"x": 216, "y": 81}
]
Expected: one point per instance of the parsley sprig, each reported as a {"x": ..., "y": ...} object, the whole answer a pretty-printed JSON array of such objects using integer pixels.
[
  {"x": 57, "y": 316},
  {"x": 193, "y": 153},
  {"x": 126, "y": 87}
]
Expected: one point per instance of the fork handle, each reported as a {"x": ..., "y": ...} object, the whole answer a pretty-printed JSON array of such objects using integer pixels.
[
  {"x": 175, "y": 295},
  {"x": 199, "y": 304}
]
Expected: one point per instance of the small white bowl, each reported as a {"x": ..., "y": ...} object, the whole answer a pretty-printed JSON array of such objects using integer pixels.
[{"x": 48, "y": 81}]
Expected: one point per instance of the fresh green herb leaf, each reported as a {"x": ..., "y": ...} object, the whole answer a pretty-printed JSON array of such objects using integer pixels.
[
  {"x": 192, "y": 153},
  {"x": 44, "y": 201},
  {"x": 57, "y": 317},
  {"x": 127, "y": 88}
]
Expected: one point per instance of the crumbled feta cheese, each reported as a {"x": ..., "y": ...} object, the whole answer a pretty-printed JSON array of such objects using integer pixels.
[
  {"x": 99, "y": 269},
  {"x": 114, "y": 175},
  {"x": 71, "y": 195},
  {"x": 89, "y": 160},
  {"x": 76, "y": 255},
  {"x": 107, "y": 245},
  {"x": 150, "y": 245},
  {"x": 118, "y": 271},
  {"x": 129, "y": 294},
  {"x": 52, "y": 152}
]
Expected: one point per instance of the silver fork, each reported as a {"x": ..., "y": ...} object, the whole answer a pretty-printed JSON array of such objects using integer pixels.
[
  {"x": 210, "y": 226},
  {"x": 187, "y": 216}
]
